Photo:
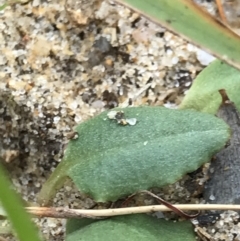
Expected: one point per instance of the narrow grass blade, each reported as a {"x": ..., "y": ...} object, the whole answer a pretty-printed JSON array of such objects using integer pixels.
[
  {"x": 192, "y": 23},
  {"x": 20, "y": 220}
]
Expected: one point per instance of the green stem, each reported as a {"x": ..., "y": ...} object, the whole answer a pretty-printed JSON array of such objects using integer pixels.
[{"x": 54, "y": 182}]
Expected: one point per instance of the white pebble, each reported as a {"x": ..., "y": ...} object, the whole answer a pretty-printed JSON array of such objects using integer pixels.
[
  {"x": 175, "y": 60},
  {"x": 111, "y": 115},
  {"x": 56, "y": 119},
  {"x": 204, "y": 58},
  {"x": 98, "y": 104},
  {"x": 131, "y": 121},
  {"x": 212, "y": 198}
]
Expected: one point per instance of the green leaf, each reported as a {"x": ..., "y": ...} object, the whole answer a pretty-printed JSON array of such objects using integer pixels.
[
  {"x": 10, "y": 3},
  {"x": 20, "y": 220},
  {"x": 139, "y": 227},
  {"x": 204, "y": 96},
  {"x": 110, "y": 160},
  {"x": 192, "y": 23},
  {"x": 2, "y": 7}
]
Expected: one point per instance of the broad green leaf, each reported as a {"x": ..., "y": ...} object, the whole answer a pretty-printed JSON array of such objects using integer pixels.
[
  {"x": 20, "y": 220},
  {"x": 110, "y": 160},
  {"x": 204, "y": 96},
  {"x": 192, "y": 23},
  {"x": 138, "y": 227}
]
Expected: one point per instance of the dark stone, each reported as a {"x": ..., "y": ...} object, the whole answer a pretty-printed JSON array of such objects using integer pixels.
[{"x": 223, "y": 187}]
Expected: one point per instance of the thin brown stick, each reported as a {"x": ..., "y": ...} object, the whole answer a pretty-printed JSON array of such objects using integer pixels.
[
  {"x": 172, "y": 207},
  {"x": 52, "y": 212},
  {"x": 221, "y": 11},
  {"x": 100, "y": 213},
  {"x": 161, "y": 201}
]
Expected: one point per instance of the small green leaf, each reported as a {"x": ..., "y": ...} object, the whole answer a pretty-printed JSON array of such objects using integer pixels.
[
  {"x": 2, "y": 7},
  {"x": 204, "y": 96},
  {"x": 20, "y": 220},
  {"x": 110, "y": 160},
  {"x": 188, "y": 20},
  {"x": 138, "y": 227},
  {"x": 10, "y": 3}
]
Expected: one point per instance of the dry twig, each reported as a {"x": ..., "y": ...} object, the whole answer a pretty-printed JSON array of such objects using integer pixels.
[
  {"x": 100, "y": 213},
  {"x": 221, "y": 11}
]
